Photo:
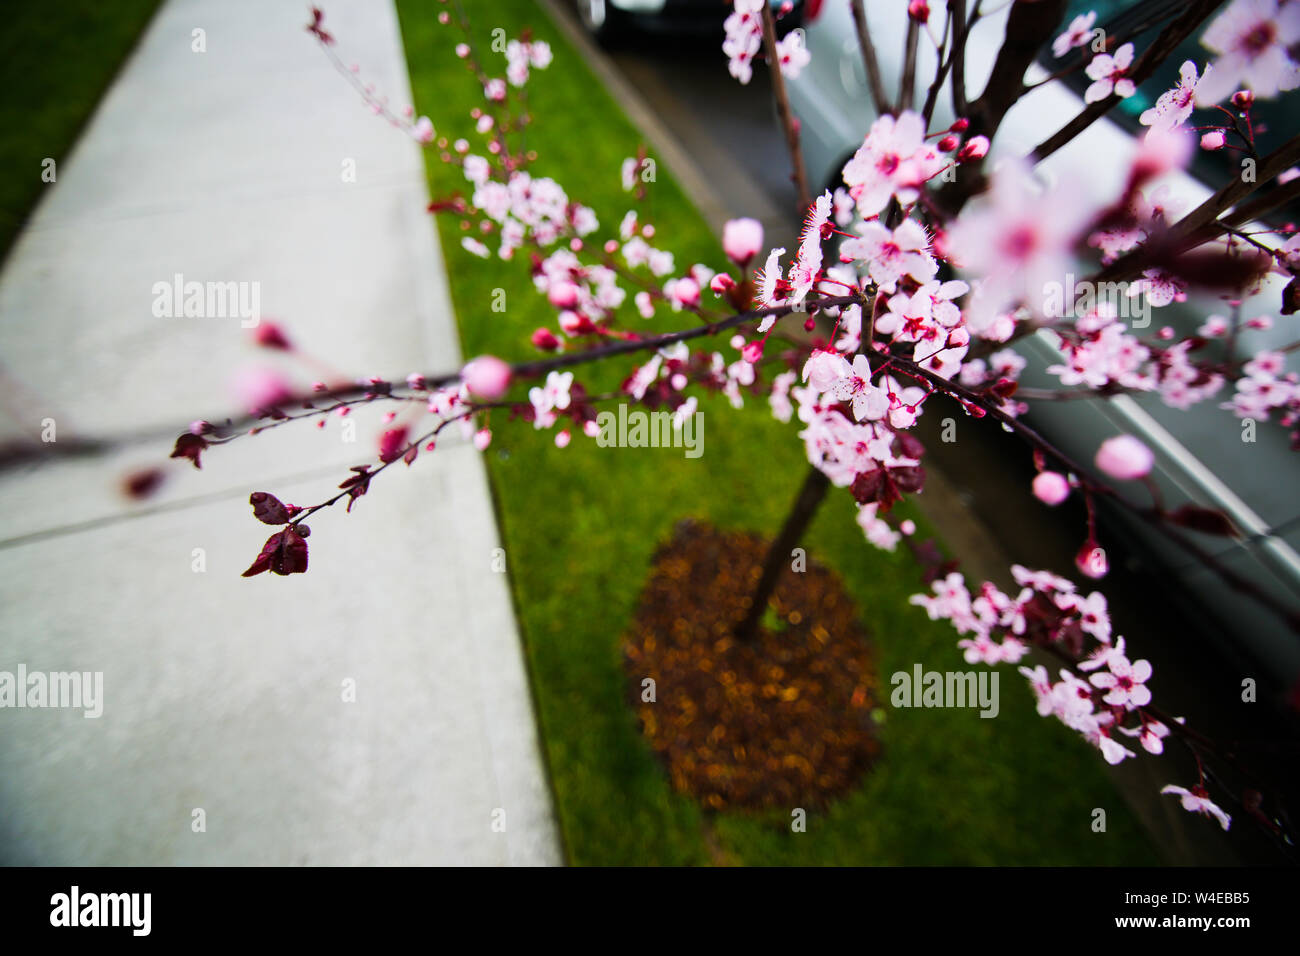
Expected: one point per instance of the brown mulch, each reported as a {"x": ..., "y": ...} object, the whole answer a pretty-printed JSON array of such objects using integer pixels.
[{"x": 784, "y": 722}]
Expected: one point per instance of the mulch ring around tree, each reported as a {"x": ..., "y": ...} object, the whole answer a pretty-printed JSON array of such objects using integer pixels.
[{"x": 783, "y": 722}]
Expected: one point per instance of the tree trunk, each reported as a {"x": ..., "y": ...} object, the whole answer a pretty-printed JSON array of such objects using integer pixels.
[{"x": 778, "y": 555}]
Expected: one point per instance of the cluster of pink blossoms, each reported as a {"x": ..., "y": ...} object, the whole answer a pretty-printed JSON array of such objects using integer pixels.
[
  {"x": 523, "y": 54},
  {"x": 744, "y": 38},
  {"x": 910, "y": 332},
  {"x": 1106, "y": 692}
]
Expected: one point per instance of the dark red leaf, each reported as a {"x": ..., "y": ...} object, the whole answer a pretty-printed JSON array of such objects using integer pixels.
[
  {"x": 909, "y": 445},
  {"x": 909, "y": 478},
  {"x": 141, "y": 484},
  {"x": 285, "y": 552},
  {"x": 866, "y": 486},
  {"x": 190, "y": 446},
  {"x": 268, "y": 509}
]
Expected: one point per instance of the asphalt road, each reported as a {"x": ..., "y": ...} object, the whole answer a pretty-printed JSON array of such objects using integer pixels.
[{"x": 978, "y": 489}]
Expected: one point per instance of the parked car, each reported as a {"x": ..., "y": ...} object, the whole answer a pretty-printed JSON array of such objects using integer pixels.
[{"x": 1200, "y": 453}]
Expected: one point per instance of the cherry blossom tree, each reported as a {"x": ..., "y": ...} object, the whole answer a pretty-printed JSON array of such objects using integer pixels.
[{"x": 906, "y": 284}]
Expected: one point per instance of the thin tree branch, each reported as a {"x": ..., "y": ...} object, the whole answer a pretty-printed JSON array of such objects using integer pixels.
[
  {"x": 783, "y": 109},
  {"x": 875, "y": 84}
]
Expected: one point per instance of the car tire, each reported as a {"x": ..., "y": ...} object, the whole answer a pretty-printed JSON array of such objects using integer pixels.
[{"x": 605, "y": 22}]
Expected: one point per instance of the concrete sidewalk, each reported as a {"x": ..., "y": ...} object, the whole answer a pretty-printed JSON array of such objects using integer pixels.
[{"x": 225, "y": 695}]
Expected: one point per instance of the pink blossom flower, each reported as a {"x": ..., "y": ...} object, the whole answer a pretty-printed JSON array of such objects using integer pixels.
[
  {"x": 893, "y": 160},
  {"x": 1197, "y": 800},
  {"x": 1018, "y": 240},
  {"x": 1151, "y": 735},
  {"x": 1125, "y": 681},
  {"x": 792, "y": 54},
  {"x": 868, "y": 401},
  {"x": 550, "y": 398},
  {"x": 767, "y": 278},
  {"x": 1160, "y": 288},
  {"x": 741, "y": 240},
  {"x": 1077, "y": 34},
  {"x": 685, "y": 411},
  {"x": 1174, "y": 106},
  {"x": 1051, "y": 487},
  {"x": 877, "y": 531},
  {"x": 422, "y": 131},
  {"x": 1124, "y": 457},
  {"x": 1109, "y": 75},
  {"x": 1252, "y": 38},
  {"x": 1041, "y": 684},
  {"x": 892, "y": 254},
  {"x": 260, "y": 389},
  {"x": 685, "y": 292},
  {"x": 487, "y": 377},
  {"x": 824, "y": 368},
  {"x": 743, "y": 37}
]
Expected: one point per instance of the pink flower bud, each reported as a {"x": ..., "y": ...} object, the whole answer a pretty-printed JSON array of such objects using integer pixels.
[
  {"x": 722, "y": 283},
  {"x": 1051, "y": 487},
  {"x": 271, "y": 336},
  {"x": 1091, "y": 560},
  {"x": 948, "y": 143},
  {"x": 960, "y": 126},
  {"x": 422, "y": 131},
  {"x": 908, "y": 527},
  {"x": 753, "y": 351},
  {"x": 562, "y": 438},
  {"x": 611, "y": 246},
  {"x": 977, "y": 147},
  {"x": 486, "y": 377},
  {"x": 687, "y": 292},
  {"x": 919, "y": 11},
  {"x": 1243, "y": 100},
  {"x": 590, "y": 428},
  {"x": 545, "y": 340},
  {"x": 482, "y": 438},
  {"x": 574, "y": 323},
  {"x": 742, "y": 239},
  {"x": 1213, "y": 140},
  {"x": 563, "y": 295},
  {"x": 261, "y": 389},
  {"x": 392, "y": 444},
  {"x": 1124, "y": 457}
]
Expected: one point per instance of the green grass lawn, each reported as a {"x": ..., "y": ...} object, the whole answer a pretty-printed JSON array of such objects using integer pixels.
[
  {"x": 56, "y": 61},
  {"x": 580, "y": 526}
]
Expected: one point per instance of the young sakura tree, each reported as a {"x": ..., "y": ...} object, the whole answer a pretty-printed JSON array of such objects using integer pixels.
[{"x": 906, "y": 284}]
